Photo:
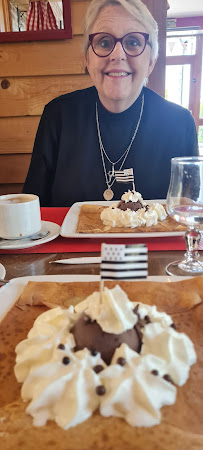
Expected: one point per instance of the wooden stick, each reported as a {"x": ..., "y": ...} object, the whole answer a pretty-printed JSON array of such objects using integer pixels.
[{"x": 101, "y": 289}]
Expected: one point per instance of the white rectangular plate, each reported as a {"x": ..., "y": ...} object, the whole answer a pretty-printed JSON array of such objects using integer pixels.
[
  {"x": 69, "y": 225},
  {"x": 11, "y": 291}
]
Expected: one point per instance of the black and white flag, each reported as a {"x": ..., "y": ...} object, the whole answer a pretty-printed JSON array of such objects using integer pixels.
[
  {"x": 123, "y": 262},
  {"x": 125, "y": 176}
]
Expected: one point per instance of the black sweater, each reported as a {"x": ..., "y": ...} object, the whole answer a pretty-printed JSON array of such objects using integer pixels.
[{"x": 66, "y": 165}]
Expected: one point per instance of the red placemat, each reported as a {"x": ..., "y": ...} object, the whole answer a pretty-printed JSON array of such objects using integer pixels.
[{"x": 62, "y": 245}]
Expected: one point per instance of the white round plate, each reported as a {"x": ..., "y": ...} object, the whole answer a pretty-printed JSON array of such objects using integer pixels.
[
  {"x": 2, "y": 271},
  {"x": 27, "y": 243}
]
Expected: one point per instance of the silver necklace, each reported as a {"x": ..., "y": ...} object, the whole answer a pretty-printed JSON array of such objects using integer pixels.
[{"x": 108, "y": 193}]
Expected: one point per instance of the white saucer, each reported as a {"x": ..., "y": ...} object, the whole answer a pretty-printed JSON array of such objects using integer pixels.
[
  {"x": 26, "y": 243},
  {"x": 2, "y": 271}
]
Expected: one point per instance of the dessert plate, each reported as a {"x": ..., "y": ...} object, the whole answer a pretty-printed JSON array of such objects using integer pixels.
[
  {"x": 69, "y": 225},
  {"x": 10, "y": 292},
  {"x": 54, "y": 231},
  {"x": 2, "y": 271}
]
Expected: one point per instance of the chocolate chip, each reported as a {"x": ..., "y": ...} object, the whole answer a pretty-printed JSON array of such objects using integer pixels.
[
  {"x": 155, "y": 372},
  {"x": 61, "y": 347},
  {"x": 173, "y": 325},
  {"x": 121, "y": 361},
  {"x": 66, "y": 360},
  {"x": 147, "y": 319},
  {"x": 87, "y": 319},
  {"x": 168, "y": 378},
  {"x": 98, "y": 368},
  {"x": 94, "y": 352},
  {"x": 135, "y": 310},
  {"x": 100, "y": 390}
]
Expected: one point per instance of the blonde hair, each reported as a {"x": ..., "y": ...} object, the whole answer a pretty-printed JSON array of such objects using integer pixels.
[{"x": 136, "y": 8}]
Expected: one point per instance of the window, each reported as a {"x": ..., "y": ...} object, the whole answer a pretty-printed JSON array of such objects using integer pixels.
[{"x": 184, "y": 74}]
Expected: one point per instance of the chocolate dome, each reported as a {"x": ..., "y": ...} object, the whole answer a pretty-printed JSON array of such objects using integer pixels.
[{"x": 89, "y": 334}]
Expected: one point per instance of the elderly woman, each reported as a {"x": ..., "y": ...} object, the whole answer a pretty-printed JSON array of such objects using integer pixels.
[{"x": 84, "y": 136}]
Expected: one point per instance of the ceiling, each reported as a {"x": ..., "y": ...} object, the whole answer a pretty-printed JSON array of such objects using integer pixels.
[{"x": 185, "y": 8}]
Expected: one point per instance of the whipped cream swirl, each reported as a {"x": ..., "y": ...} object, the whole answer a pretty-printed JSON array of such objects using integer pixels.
[
  {"x": 132, "y": 196},
  {"x": 68, "y": 386}
]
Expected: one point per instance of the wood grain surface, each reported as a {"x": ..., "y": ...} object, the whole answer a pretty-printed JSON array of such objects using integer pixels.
[
  {"x": 22, "y": 137},
  {"x": 39, "y": 264},
  {"x": 14, "y": 168},
  {"x": 32, "y": 94}
]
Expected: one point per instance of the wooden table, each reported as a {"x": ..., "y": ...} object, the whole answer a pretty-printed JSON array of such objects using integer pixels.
[{"x": 39, "y": 264}]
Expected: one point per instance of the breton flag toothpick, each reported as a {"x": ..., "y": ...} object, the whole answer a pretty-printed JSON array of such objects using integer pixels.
[
  {"x": 123, "y": 262},
  {"x": 125, "y": 176}
]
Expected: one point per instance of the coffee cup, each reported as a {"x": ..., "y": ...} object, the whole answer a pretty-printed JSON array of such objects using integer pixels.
[{"x": 19, "y": 215}]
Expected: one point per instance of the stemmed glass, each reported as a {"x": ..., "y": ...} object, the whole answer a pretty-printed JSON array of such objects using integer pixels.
[{"x": 184, "y": 204}]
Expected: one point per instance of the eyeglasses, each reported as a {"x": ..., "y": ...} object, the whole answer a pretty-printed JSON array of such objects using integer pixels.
[{"x": 133, "y": 43}]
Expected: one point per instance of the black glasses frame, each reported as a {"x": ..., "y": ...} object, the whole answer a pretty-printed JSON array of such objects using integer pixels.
[{"x": 145, "y": 35}]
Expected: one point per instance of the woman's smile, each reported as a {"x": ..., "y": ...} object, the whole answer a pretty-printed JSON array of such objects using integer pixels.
[{"x": 117, "y": 74}]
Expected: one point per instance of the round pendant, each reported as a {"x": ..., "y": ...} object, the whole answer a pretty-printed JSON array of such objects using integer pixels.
[{"x": 108, "y": 194}]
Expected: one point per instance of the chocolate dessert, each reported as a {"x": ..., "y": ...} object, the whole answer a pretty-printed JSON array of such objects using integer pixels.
[
  {"x": 133, "y": 206},
  {"x": 133, "y": 212},
  {"x": 89, "y": 334}
]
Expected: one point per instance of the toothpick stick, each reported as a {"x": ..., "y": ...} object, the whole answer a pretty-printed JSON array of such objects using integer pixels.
[{"x": 101, "y": 289}]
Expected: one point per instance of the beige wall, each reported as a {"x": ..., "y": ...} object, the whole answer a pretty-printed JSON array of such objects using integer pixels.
[{"x": 32, "y": 74}]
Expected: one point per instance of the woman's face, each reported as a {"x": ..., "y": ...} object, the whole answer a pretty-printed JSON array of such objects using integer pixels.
[{"x": 118, "y": 77}]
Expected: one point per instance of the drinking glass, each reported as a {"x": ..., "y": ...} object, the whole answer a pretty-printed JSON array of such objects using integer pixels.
[{"x": 184, "y": 203}]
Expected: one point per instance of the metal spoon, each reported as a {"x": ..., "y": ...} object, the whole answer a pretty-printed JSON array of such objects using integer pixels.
[
  {"x": 39, "y": 235},
  {"x": 34, "y": 237},
  {"x": 2, "y": 282}
]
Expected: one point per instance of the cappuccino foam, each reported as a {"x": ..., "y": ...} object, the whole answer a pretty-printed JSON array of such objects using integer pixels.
[{"x": 13, "y": 200}]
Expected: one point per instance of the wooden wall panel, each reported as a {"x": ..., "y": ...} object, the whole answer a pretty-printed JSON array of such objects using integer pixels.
[
  {"x": 42, "y": 58},
  {"x": 17, "y": 134},
  {"x": 33, "y": 73},
  {"x": 29, "y": 95},
  {"x": 11, "y": 188},
  {"x": 78, "y": 11},
  {"x": 14, "y": 168}
]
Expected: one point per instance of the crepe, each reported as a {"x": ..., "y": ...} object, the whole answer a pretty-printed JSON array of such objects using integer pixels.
[
  {"x": 89, "y": 222},
  {"x": 179, "y": 296},
  {"x": 181, "y": 426}
]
